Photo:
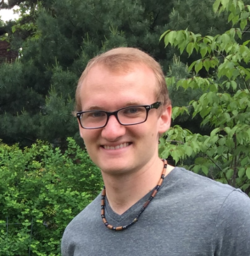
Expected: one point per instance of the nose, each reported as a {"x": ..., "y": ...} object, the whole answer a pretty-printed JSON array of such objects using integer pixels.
[{"x": 113, "y": 130}]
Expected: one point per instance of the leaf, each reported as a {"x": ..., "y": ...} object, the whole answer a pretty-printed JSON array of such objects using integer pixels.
[
  {"x": 225, "y": 3},
  {"x": 243, "y": 24},
  {"x": 248, "y": 172},
  {"x": 241, "y": 172},
  {"x": 206, "y": 64},
  {"x": 198, "y": 66},
  {"x": 190, "y": 48},
  {"x": 244, "y": 15},
  {"x": 176, "y": 155},
  {"x": 216, "y": 5},
  {"x": 164, "y": 34},
  {"x": 204, "y": 169},
  {"x": 227, "y": 130},
  {"x": 215, "y": 131},
  {"x": 234, "y": 85},
  {"x": 246, "y": 42},
  {"x": 230, "y": 17},
  {"x": 175, "y": 112},
  {"x": 171, "y": 37},
  {"x": 224, "y": 41},
  {"x": 235, "y": 19},
  {"x": 241, "y": 5},
  {"x": 203, "y": 51},
  {"x": 235, "y": 113},
  {"x": 191, "y": 66},
  {"x": 245, "y": 187},
  {"x": 244, "y": 161},
  {"x": 210, "y": 38},
  {"x": 166, "y": 40},
  {"x": 182, "y": 46},
  {"x": 189, "y": 151},
  {"x": 231, "y": 32},
  {"x": 229, "y": 173},
  {"x": 180, "y": 37}
]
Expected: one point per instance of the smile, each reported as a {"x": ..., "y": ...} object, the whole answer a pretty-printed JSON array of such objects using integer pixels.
[{"x": 123, "y": 145}]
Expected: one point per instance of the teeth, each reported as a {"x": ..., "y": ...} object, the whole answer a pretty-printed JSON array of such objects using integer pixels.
[{"x": 117, "y": 147}]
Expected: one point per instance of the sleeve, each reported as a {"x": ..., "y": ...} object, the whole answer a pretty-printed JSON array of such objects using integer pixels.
[{"x": 233, "y": 226}]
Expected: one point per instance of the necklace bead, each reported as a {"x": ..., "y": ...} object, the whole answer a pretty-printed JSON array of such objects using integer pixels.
[{"x": 145, "y": 205}]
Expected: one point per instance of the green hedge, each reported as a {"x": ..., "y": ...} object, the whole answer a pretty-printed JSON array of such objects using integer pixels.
[{"x": 41, "y": 190}]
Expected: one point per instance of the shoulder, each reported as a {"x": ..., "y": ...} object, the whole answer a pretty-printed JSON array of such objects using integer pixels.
[
  {"x": 236, "y": 207},
  {"x": 201, "y": 193},
  {"x": 233, "y": 225},
  {"x": 193, "y": 181},
  {"x": 81, "y": 224},
  {"x": 222, "y": 210}
]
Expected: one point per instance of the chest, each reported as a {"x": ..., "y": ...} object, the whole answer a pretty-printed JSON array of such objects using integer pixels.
[{"x": 162, "y": 237}]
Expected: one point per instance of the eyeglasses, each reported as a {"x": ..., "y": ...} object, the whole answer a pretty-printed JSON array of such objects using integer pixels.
[{"x": 131, "y": 115}]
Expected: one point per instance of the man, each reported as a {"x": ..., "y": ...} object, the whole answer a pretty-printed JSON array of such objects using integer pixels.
[{"x": 147, "y": 206}]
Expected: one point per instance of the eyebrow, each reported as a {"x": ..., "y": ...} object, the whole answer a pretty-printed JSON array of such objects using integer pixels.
[{"x": 132, "y": 103}]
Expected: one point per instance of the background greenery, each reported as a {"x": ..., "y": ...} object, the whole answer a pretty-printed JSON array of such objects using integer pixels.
[
  {"x": 43, "y": 185},
  {"x": 223, "y": 153},
  {"x": 41, "y": 190},
  {"x": 55, "y": 40}
]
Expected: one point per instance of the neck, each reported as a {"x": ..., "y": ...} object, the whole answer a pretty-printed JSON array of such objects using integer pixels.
[{"x": 125, "y": 190}]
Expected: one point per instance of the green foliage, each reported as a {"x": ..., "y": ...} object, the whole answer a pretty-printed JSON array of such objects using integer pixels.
[
  {"x": 197, "y": 17},
  {"x": 179, "y": 95},
  {"x": 55, "y": 40},
  {"x": 41, "y": 190},
  {"x": 224, "y": 105}
]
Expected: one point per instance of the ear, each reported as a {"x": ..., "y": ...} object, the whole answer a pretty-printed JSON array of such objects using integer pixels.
[{"x": 165, "y": 119}]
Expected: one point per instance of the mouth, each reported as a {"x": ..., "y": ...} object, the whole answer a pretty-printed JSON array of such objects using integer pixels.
[{"x": 122, "y": 145}]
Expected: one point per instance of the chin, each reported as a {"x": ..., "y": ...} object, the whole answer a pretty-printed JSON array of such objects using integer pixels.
[{"x": 113, "y": 169}]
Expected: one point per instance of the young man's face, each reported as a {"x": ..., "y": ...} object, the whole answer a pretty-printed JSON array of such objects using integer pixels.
[{"x": 119, "y": 149}]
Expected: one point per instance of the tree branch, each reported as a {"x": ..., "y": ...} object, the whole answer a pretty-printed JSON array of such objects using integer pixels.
[
  {"x": 211, "y": 159},
  {"x": 235, "y": 162}
]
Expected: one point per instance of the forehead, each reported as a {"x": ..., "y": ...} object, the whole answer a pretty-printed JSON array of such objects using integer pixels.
[{"x": 131, "y": 83}]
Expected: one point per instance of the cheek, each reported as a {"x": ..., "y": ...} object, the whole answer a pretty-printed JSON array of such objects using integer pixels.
[
  {"x": 148, "y": 134},
  {"x": 89, "y": 140},
  {"x": 88, "y": 137}
]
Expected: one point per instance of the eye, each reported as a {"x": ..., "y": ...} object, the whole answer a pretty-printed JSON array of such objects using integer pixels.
[
  {"x": 95, "y": 114},
  {"x": 133, "y": 110}
]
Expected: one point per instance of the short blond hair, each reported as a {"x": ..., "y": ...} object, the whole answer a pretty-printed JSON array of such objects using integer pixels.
[{"x": 121, "y": 59}]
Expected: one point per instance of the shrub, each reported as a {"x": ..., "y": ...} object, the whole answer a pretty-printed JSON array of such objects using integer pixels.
[{"x": 41, "y": 190}]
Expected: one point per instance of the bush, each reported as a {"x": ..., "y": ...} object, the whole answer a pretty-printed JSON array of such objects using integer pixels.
[{"x": 41, "y": 190}]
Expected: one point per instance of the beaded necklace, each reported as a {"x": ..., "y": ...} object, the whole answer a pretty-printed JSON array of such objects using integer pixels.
[{"x": 145, "y": 205}]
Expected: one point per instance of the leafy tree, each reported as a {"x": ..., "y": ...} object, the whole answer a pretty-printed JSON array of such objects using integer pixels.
[
  {"x": 224, "y": 104},
  {"x": 55, "y": 45},
  {"x": 198, "y": 18}
]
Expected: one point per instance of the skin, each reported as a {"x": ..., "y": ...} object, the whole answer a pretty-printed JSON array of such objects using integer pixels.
[{"x": 127, "y": 155}]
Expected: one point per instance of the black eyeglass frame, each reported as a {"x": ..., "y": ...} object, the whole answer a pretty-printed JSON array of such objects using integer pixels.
[{"x": 155, "y": 105}]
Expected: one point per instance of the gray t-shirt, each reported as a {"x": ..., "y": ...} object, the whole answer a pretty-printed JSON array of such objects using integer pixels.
[{"x": 191, "y": 215}]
